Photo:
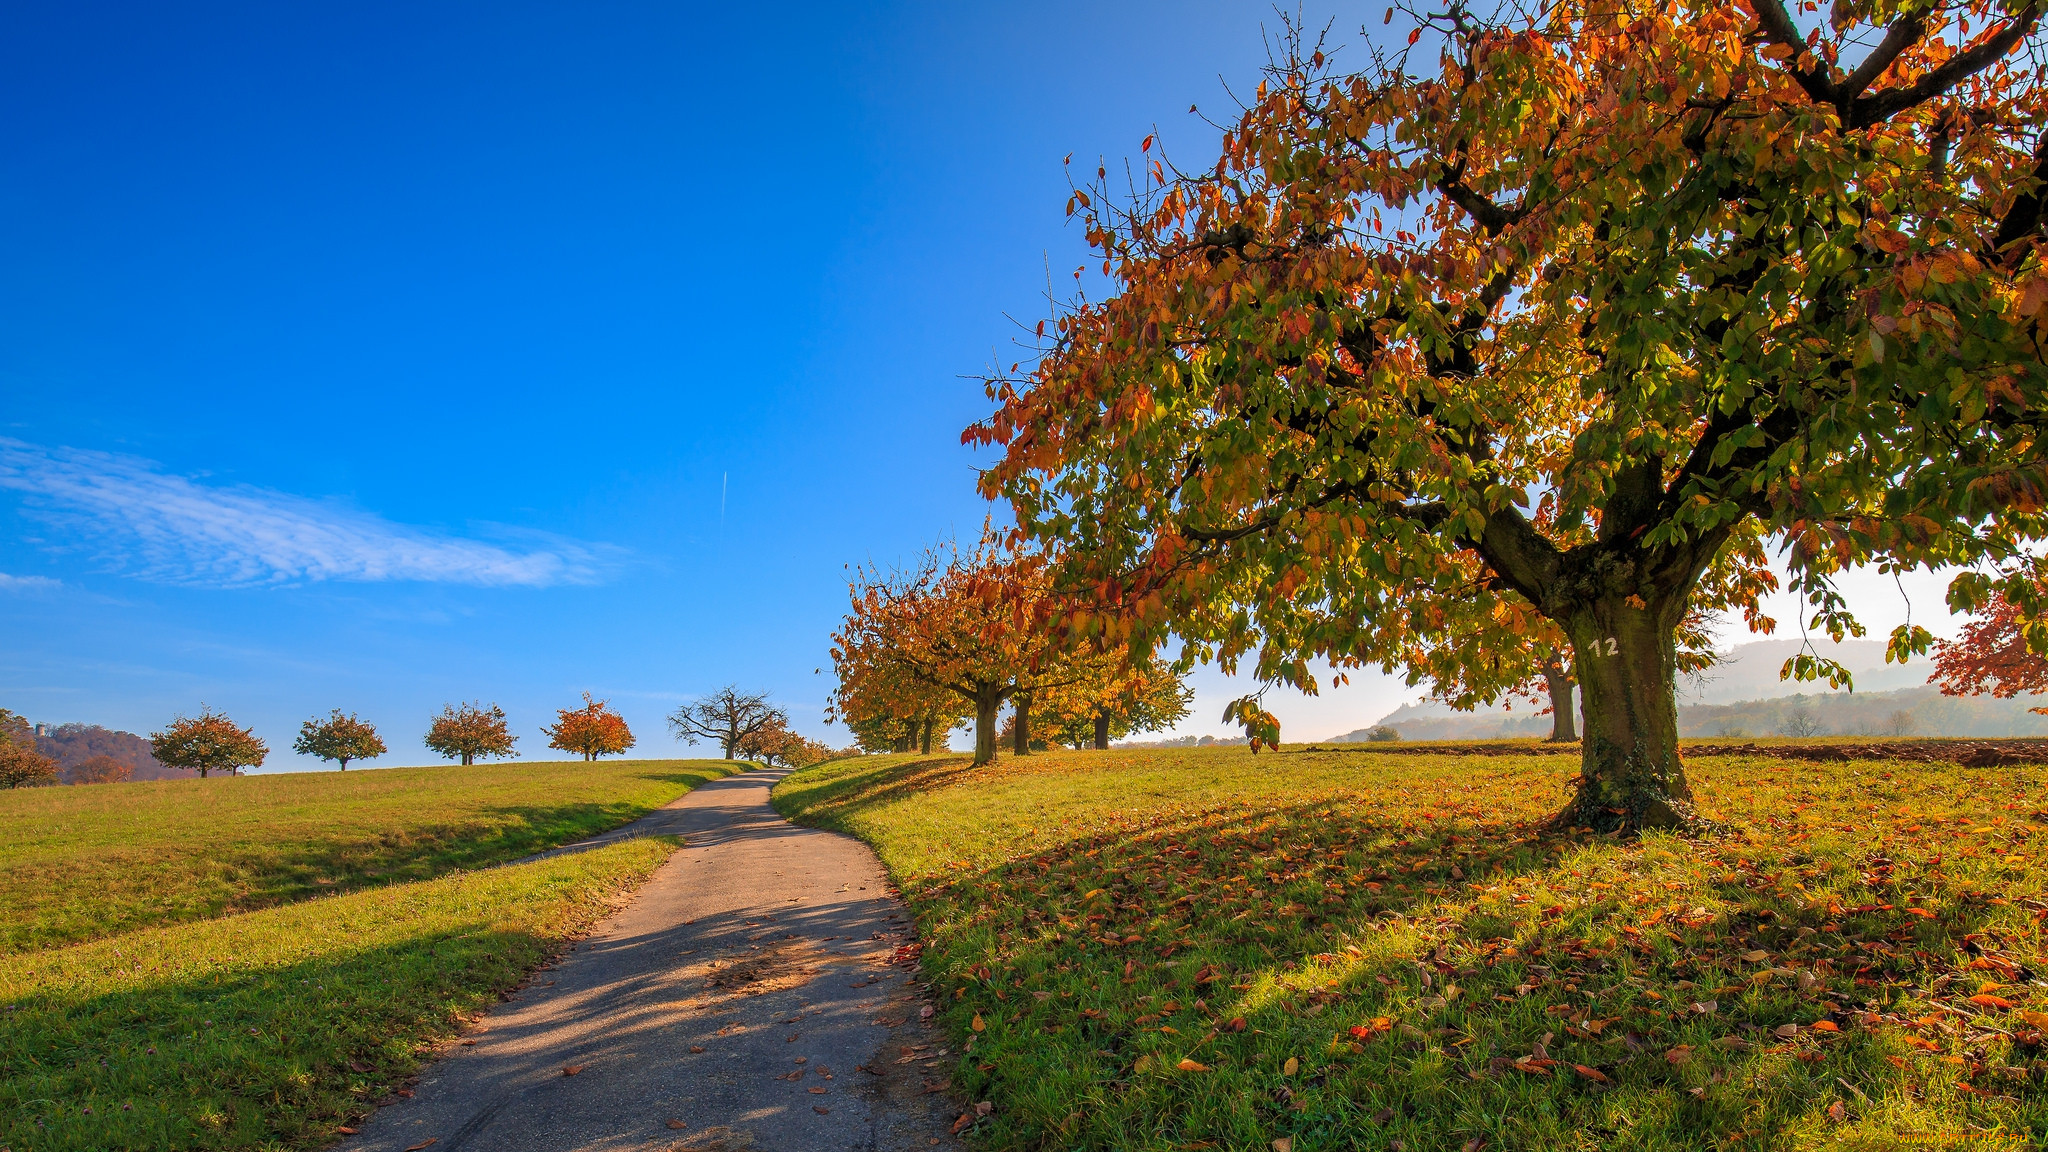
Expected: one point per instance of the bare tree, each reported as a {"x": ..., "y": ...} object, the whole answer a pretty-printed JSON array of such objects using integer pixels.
[{"x": 727, "y": 717}]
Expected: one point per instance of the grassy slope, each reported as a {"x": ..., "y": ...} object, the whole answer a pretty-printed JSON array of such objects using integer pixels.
[
  {"x": 89, "y": 862},
  {"x": 1349, "y": 950},
  {"x": 270, "y": 1029}
]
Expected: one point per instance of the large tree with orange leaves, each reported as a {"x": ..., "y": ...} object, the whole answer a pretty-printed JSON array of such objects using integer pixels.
[
  {"x": 1589, "y": 300},
  {"x": 980, "y": 624}
]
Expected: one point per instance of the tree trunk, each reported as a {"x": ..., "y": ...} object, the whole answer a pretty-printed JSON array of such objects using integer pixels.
[
  {"x": 344, "y": 763},
  {"x": 1631, "y": 776},
  {"x": 1023, "y": 744},
  {"x": 987, "y": 703},
  {"x": 468, "y": 758},
  {"x": 1560, "y": 684},
  {"x": 1102, "y": 730},
  {"x": 202, "y": 773},
  {"x": 924, "y": 745}
]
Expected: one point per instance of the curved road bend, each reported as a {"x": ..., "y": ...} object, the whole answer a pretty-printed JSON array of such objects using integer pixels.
[{"x": 733, "y": 1005}]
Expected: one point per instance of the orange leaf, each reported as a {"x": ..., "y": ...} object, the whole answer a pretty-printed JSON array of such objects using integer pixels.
[
  {"x": 1591, "y": 1073},
  {"x": 1986, "y": 1000},
  {"x": 1824, "y": 1026},
  {"x": 1188, "y": 1065}
]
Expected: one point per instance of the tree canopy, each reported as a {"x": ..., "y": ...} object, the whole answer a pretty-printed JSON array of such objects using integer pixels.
[
  {"x": 727, "y": 717},
  {"x": 469, "y": 731},
  {"x": 1566, "y": 312},
  {"x": 208, "y": 743},
  {"x": 21, "y": 766},
  {"x": 590, "y": 731},
  {"x": 339, "y": 738}
]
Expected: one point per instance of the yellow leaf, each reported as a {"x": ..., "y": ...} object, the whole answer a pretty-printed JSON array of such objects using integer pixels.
[
  {"x": 978, "y": 1025},
  {"x": 1283, "y": 1144},
  {"x": 1187, "y": 1065},
  {"x": 1293, "y": 1065}
]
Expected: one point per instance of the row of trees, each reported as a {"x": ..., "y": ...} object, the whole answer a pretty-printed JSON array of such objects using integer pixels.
[
  {"x": 1503, "y": 357},
  {"x": 743, "y": 724},
  {"x": 959, "y": 634}
]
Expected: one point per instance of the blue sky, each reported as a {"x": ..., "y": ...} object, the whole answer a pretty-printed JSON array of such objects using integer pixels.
[{"x": 380, "y": 356}]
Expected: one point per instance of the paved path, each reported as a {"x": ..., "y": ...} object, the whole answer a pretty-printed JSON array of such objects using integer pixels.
[{"x": 737, "y": 1003}]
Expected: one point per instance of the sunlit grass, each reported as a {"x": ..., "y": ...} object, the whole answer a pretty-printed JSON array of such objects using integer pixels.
[
  {"x": 1148, "y": 938},
  {"x": 84, "y": 863}
]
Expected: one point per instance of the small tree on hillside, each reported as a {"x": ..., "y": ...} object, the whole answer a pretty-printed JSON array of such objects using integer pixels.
[
  {"x": 21, "y": 766},
  {"x": 471, "y": 731},
  {"x": 590, "y": 731},
  {"x": 727, "y": 717},
  {"x": 339, "y": 738},
  {"x": 208, "y": 743}
]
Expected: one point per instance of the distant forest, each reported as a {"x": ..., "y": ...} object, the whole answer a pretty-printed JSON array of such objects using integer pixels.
[
  {"x": 73, "y": 744},
  {"x": 1904, "y": 712}
]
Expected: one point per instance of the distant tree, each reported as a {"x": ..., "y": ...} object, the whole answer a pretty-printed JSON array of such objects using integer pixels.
[
  {"x": 1382, "y": 734},
  {"x": 1900, "y": 724},
  {"x": 471, "y": 731},
  {"x": 207, "y": 743},
  {"x": 1799, "y": 722},
  {"x": 590, "y": 731},
  {"x": 21, "y": 766},
  {"x": 1995, "y": 653},
  {"x": 339, "y": 738},
  {"x": 98, "y": 770},
  {"x": 1114, "y": 696},
  {"x": 727, "y": 717},
  {"x": 776, "y": 743}
]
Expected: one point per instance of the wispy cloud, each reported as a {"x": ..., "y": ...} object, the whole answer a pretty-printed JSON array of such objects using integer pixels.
[
  {"x": 27, "y": 584},
  {"x": 166, "y": 527}
]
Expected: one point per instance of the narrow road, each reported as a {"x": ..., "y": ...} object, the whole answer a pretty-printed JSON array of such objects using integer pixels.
[{"x": 744, "y": 1000}]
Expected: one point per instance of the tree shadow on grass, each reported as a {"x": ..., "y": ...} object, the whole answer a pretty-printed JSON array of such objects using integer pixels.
[
  {"x": 1438, "y": 979},
  {"x": 241, "y": 1058}
]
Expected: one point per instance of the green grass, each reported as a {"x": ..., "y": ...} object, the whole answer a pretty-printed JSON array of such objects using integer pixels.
[
  {"x": 270, "y": 1029},
  {"x": 1207, "y": 949},
  {"x": 91, "y": 862}
]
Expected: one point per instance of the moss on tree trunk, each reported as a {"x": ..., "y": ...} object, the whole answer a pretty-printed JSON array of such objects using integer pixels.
[{"x": 1625, "y": 658}]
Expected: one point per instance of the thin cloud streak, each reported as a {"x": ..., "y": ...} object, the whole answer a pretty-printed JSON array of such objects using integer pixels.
[
  {"x": 27, "y": 584},
  {"x": 168, "y": 528}
]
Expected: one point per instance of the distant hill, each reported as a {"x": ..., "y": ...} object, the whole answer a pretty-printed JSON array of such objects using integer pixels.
[
  {"x": 73, "y": 744},
  {"x": 1742, "y": 696}
]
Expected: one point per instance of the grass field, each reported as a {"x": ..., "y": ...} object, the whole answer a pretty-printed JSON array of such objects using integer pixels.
[
  {"x": 90, "y": 862},
  {"x": 272, "y": 1029},
  {"x": 251, "y": 963},
  {"x": 1206, "y": 949}
]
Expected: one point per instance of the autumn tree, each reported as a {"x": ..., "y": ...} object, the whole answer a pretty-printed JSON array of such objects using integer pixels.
[
  {"x": 890, "y": 710},
  {"x": 1998, "y": 651},
  {"x": 590, "y": 731},
  {"x": 1118, "y": 696},
  {"x": 339, "y": 738},
  {"x": 775, "y": 743},
  {"x": 977, "y": 624},
  {"x": 470, "y": 731},
  {"x": 1581, "y": 298},
  {"x": 726, "y": 717},
  {"x": 208, "y": 743},
  {"x": 21, "y": 766},
  {"x": 98, "y": 770}
]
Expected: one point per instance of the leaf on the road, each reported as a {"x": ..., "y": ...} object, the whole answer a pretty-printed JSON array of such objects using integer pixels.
[
  {"x": 677, "y": 1125},
  {"x": 696, "y": 1047},
  {"x": 925, "y": 1013},
  {"x": 345, "y": 1130},
  {"x": 821, "y": 1110},
  {"x": 571, "y": 1069},
  {"x": 423, "y": 1144},
  {"x": 817, "y": 1091}
]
